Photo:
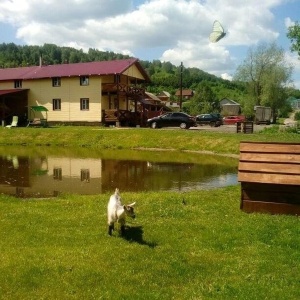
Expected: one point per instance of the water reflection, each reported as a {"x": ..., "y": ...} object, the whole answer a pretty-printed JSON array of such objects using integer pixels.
[{"x": 44, "y": 174}]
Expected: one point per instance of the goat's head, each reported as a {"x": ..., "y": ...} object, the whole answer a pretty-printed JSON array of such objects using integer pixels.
[{"x": 129, "y": 210}]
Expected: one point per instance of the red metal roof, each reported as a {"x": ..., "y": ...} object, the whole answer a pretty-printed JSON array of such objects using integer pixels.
[
  {"x": 68, "y": 70},
  {"x": 15, "y": 73},
  {"x": 6, "y": 92}
]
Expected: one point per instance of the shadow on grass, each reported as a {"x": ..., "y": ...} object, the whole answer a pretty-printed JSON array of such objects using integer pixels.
[{"x": 135, "y": 234}]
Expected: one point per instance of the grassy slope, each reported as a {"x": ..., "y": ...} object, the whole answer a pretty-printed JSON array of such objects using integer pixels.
[
  {"x": 112, "y": 138},
  {"x": 207, "y": 249}
]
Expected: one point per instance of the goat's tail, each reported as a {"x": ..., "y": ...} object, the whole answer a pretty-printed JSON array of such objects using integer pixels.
[{"x": 117, "y": 192}]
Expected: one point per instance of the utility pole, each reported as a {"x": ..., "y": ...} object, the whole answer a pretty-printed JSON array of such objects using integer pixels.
[{"x": 180, "y": 102}]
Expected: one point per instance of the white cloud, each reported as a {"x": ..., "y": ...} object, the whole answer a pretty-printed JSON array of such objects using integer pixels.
[
  {"x": 294, "y": 60},
  {"x": 288, "y": 22},
  {"x": 177, "y": 29},
  {"x": 226, "y": 76}
]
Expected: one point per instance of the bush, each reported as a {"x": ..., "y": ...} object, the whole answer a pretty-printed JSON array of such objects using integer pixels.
[
  {"x": 280, "y": 130},
  {"x": 297, "y": 116},
  {"x": 285, "y": 111},
  {"x": 294, "y": 129}
]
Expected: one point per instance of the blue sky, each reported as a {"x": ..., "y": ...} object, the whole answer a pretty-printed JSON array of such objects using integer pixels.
[{"x": 169, "y": 30}]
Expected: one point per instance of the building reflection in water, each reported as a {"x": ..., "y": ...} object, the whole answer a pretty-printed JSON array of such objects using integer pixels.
[{"x": 48, "y": 176}]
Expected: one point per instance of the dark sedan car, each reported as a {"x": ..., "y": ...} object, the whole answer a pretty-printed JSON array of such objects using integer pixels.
[
  {"x": 172, "y": 119},
  {"x": 213, "y": 120}
]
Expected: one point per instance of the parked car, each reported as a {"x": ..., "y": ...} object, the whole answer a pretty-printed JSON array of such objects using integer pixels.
[
  {"x": 231, "y": 120},
  {"x": 213, "y": 120},
  {"x": 172, "y": 119}
]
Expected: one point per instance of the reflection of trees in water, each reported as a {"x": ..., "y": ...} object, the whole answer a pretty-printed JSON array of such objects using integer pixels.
[
  {"x": 176, "y": 176},
  {"x": 126, "y": 175},
  {"x": 142, "y": 175}
]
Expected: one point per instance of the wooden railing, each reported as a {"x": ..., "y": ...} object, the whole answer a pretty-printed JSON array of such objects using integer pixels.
[
  {"x": 109, "y": 115},
  {"x": 122, "y": 88},
  {"x": 125, "y": 117}
]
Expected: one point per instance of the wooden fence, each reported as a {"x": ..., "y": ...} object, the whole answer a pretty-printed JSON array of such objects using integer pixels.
[{"x": 244, "y": 127}]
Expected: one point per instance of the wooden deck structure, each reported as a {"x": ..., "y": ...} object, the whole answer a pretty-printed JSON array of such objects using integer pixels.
[
  {"x": 137, "y": 115},
  {"x": 270, "y": 177}
]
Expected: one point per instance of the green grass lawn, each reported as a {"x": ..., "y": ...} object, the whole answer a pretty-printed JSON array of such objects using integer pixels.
[
  {"x": 133, "y": 138},
  {"x": 206, "y": 249}
]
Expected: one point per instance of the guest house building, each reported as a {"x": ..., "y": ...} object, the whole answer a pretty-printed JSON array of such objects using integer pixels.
[{"x": 94, "y": 93}]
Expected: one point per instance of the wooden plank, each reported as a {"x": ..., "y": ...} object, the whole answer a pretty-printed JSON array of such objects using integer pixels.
[
  {"x": 270, "y": 147},
  {"x": 269, "y": 178},
  {"x": 269, "y": 207},
  {"x": 270, "y": 197},
  {"x": 267, "y": 188},
  {"x": 270, "y": 157},
  {"x": 271, "y": 193},
  {"x": 277, "y": 168}
]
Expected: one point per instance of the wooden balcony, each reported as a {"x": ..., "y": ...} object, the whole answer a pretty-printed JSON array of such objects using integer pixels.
[{"x": 120, "y": 88}]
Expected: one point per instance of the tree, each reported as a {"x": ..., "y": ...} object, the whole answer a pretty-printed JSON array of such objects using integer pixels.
[
  {"x": 266, "y": 75},
  {"x": 204, "y": 100},
  {"x": 168, "y": 67},
  {"x": 274, "y": 95},
  {"x": 294, "y": 35}
]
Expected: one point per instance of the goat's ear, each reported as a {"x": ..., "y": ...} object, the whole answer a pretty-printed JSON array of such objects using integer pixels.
[{"x": 132, "y": 204}]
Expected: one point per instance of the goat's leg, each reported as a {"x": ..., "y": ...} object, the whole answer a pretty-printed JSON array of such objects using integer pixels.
[
  {"x": 122, "y": 229},
  {"x": 111, "y": 228},
  {"x": 122, "y": 226}
]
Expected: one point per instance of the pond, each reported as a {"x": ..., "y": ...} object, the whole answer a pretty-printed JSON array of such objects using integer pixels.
[{"x": 47, "y": 172}]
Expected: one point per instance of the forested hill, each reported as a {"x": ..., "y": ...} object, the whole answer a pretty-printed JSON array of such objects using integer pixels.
[{"x": 164, "y": 76}]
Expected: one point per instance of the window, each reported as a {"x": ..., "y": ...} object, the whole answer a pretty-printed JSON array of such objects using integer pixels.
[
  {"x": 85, "y": 175},
  {"x": 56, "y": 81},
  {"x": 84, "y": 80},
  {"x": 84, "y": 104},
  {"x": 56, "y": 104},
  {"x": 57, "y": 173},
  {"x": 18, "y": 84}
]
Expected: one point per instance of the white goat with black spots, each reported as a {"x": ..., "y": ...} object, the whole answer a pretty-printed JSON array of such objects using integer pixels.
[{"x": 116, "y": 212}]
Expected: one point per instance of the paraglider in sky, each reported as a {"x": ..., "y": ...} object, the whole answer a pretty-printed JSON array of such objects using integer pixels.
[{"x": 217, "y": 33}]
